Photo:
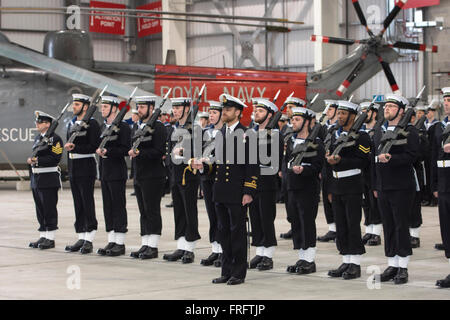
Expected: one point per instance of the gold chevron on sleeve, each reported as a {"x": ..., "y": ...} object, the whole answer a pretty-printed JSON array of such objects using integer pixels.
[{"x": 363, "y": 149}]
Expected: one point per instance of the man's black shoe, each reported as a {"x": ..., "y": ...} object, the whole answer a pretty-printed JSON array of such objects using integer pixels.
[
  {"x": 329, "y": 236},
  {"x": 36, "y": 244},
  {"x": 135, "y": 254},
  {"x": 337, "y": 273},
  {"x": 102, "y": 251},
  {"x": 47, "y": 244}
]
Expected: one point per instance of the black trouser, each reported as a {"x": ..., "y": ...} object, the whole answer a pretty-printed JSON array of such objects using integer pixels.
[
  {"x": 286, "y": 195},
  {"x": 395, "y": 207},
  {"x": 232, "y": 235},
  {"x": 262, "y": 217},
  {"x": 207, "y": 187},
  {"x": 370, "y": 207},
  {"x": 347, "y": 215},
  {"x": 416, "y": 211},
  {"x": 305, "y": 205},
  {"x": 148, "y": 195},
  {"x": 327, "y": 207},
  {"x": 83, "y": 200},
  {"x": 114, "y": 205},
  {"x": 46, "y": 211},
  {"x": 185, "y": 210},
  {"x": 444, "y": 220}
]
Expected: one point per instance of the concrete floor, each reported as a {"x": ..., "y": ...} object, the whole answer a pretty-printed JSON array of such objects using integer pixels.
[{"x": 27, "y": 273}]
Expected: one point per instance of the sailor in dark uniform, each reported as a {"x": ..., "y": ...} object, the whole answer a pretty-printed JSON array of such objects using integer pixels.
[
  {"x": 441, "y": 178},
  {"x": 431, "y": 124},
  {"x": 235, "y": 187},
  {"x": 149, "y": 178},
  {"x": 347, "y": 188},
  {"x": 113, "y": 177},
  {"x": 372, "y": 219},
  {"x": 185, "y": 183},
  {"x": 133, "y": 126},
  {"x": 331, "y": 126},
  {"x": 82, "y": 167},
  {"x": 207, "y": 181},
  {"x": 282, "y": 192},
  {"x": 45, "y": 181},
  {"x": 303, "y": 188},
  {"x": 395, "y": 186},
  {"x": 290, "y": 102},
  {"x": 262, "y": 210},
  {"x": 420, "y": 178}
]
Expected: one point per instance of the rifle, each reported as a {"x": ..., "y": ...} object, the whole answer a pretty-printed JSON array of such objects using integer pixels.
[
  {"x": 276, "y": 96},
  {"x": 42, "y": 145},
  {"x": 349, "y": 140},
  {"x": 77, "y": 129},
  {"x": 419, "y": 123},
  {"x": 276, "y": 117},
  {"x": 141, "y": 133},
  {"x": 446, "y": 131},
  {"x": 194, "y": 110},
  {"x": 303, "y": 150},
  {"x": 391, "y": 138},
  {"x": 107, "y": 134},
  {"x": 378, "y": 124}
]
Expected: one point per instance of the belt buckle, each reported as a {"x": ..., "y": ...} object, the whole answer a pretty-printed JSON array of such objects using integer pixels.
[{"x": 336, "y": 174}]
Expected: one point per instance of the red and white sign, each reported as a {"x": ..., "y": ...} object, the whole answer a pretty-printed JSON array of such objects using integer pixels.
[
  {"x": 107, "y": 24},
  {"x": 147, "y": 25},
  {"x": 420, "y": 3}
]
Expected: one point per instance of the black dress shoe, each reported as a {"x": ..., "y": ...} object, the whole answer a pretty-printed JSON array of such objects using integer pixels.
[
  {"x": 174, "y": 256},
  {"x": 218, "y": 262},
  {"x": 306, "y": 268},
  {"x": 293, "y": 269},
  {"x": 388, "y": 274},
  {"x": 102, "y": 251},
  {"x": 254, "y": 262},
  {"x": 47, "y": 244},
  {"x": 402, "y": 276},
  {"x": 36, "y": 244},
  {"x": 76, "y": 246},
  {"x": 444, "y": 283},
  {"x": 374, "y": 241},
  {"x": 439, "y": 246},
  {"x": 415, "y": 242},
  {"x": 222, "y": 279},
  {"x": 87, "y": 247},
  {"x": 135, "y": 254},
  {"x": 233, "y": 281},
  {"x": 352, "y": 272},
  {"x": 336, "y": 273},
  {"x": 366, "y": 237},
  {"x": 210, "y": 260},
  {"x": 287, "y": 235},
  {"x": 329, "y": 236},
  {"x": 169, "y": 205},
  {"x": 149, "y": 253},
  {"x": 265, "y": 264},
  {"x": 188, "y": 257},
  {"x": 117, "y": 250}
]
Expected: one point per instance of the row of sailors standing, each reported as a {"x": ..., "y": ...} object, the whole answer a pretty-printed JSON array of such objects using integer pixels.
[{"x": 231, "y": 188}]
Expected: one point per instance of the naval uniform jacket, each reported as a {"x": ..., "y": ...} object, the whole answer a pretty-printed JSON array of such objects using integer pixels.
[
  {"x": 356, "y": 157},
  {"x": 233, "y": 180},
  {"x": 149, "y": 163},
  {"x": 113, "y": 166},
  {"x": 308, "y": 180},
  {"x": 440, "y": 172},
  {"x": 84, "y": 145},
  {"x": 269, "y": 182},
  {"x": 47, "y": 158},
  {"x": 398, "y": 173}
]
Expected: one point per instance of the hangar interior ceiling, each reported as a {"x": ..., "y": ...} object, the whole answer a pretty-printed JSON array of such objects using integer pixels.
[{"x": 222, "y": 45}]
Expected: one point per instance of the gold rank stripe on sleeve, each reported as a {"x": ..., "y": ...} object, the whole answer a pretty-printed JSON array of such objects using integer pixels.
[
  {"x": 57, "y": 149},
  {"x": 363, "y": 149},
  {"x": 250, "y": 184}
]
